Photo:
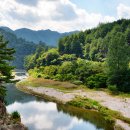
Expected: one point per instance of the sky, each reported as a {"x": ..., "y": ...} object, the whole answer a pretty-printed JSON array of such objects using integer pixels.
[{"x": 61, "y": 15}]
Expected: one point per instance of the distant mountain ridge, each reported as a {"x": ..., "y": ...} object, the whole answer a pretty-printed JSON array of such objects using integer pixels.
[
  {"x": 21, "y": 46},
  {"x": 47, "y": 36},
  {"x": 25, "y": 41}
]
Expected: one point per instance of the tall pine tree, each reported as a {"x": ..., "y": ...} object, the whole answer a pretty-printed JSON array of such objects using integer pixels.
[{"x": 6, "y": 55}]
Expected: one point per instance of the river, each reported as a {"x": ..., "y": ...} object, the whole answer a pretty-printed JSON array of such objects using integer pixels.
[{"x": 39, "y": 114}]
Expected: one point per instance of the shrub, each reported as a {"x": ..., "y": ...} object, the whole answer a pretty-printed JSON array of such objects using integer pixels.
[
  {"x": 50, "y": 70},
  {"x": 36, "y": 72},
  {"x": 58, "y": 77},
  {"x": 122, "y": 81},
  {"x": 96, "y": 81},
  {"x": 15, "y": 115},
  {"x": 68, "y": 77},
  {"x": 113, "y": 88},
  {"x": 125, "y": 85},
  {"x": 39, "y": 76},
  {"x": 68, "y": 57},
  {"x": 77, "y": 82},
  {"x": 46, "y": 77},
  {"x": 67, "y": 67}
]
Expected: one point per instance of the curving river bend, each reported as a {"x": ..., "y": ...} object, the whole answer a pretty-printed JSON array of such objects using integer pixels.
[{"x": 38, "y": 114}]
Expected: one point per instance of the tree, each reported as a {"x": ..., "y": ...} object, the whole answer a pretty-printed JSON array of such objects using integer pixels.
[
  {"x": 67, "y": 67},
  {"x": 128, "y": 35},
  {"x": 51, "y": 70},
  {"x": 118, "y": 60},
  {"x": 30, "y": 62},
  {"x": 6, "y": 55},
  {"x": 61, "y": 46},
  {"x": 48, "y": 58},
  {"x": 76, "y": 48}
]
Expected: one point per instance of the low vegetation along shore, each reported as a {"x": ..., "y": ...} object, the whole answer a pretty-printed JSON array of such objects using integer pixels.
[{"x": 80, "y": 96}]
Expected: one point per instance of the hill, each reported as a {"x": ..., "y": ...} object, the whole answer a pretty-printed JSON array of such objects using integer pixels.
[
  {"x": 93, "y": 44},
  {"x": 97, "y": 57},
  {"x": 22, "y": 47},
  {"x": 49, "y": 37},
  {"x": 90, "y": 45},
  {"x": 25, "y": 41}
]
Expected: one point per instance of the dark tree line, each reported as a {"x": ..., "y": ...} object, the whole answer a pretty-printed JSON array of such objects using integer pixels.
[{"x": 93, "y": 44}]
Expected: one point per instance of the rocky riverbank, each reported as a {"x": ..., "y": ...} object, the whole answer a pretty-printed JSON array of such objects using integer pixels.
[{"x": 6, "y": 121}]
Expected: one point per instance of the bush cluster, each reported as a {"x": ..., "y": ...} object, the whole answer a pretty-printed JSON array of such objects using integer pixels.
[
  {"x": 78, "y": 72},
  {"x": 15, "y": 115}
]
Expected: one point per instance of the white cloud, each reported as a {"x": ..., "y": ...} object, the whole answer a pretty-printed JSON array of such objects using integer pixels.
[
  {"x": 34, "y": 114},
  {"x": 60, "y": 15},
  {"x": 123, "y": 11},
  {"x": 45, "y": 116}
]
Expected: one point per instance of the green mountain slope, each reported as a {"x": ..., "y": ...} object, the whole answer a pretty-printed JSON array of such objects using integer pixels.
[
  {"x": 21, "y": 46},
  {"x": 93, "y": 44},
  {"x": 47, "y": 36}
]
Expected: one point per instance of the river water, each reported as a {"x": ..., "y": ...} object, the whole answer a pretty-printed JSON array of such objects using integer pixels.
[{"x": 39, "y": 114}]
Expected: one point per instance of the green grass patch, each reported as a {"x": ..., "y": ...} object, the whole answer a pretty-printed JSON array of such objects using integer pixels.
[
  {"x": 109, "y": 115},
  {"x": 41, "y": 82}
]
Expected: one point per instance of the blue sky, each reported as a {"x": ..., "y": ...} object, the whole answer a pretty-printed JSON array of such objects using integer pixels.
[
  {"x": 61, "y": 15},
  {"x": 105, "y": 7}
]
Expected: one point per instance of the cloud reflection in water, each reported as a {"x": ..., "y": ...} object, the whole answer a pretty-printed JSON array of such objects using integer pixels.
[{"x": 45, "y": 116}]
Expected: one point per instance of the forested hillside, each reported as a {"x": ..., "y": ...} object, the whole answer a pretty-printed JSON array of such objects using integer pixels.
[
  {"x": 93, "y": 44},
  {"x": 49, "y": 37},
  {"x": 22, "y": 47},
  {"x": 97, "y": 57}
]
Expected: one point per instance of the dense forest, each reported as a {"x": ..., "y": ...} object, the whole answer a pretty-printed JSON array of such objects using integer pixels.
[
  {"x": 97, "y": 58},
  {"x": 93, "y": 44},
  {"x": 26, "y": 41}
]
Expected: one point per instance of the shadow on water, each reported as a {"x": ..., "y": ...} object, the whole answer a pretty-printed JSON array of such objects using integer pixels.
[
  {"x": 14, "y": 95},
  {"x": 87, "y": 115}
]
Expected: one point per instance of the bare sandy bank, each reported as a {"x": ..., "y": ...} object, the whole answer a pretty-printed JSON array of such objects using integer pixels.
[
  {"x": 115, "y": 103},
  {"x": 119, "y": 104}
]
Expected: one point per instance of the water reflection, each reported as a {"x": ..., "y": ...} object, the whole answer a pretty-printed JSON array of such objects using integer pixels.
[
  {"x": 15, "y": 95},
  {"x": 41, "y": 115},
  {"x": 88, "y": 116},
  {"x": 44, "y": 116}
]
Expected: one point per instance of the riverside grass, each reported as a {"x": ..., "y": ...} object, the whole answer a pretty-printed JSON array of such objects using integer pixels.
[
  {"x": 85, "y": 103},
  {"x": 62, "y": 86},
  {"x": 65, "y": 86},
  {"x": 109, "y": 115}
]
